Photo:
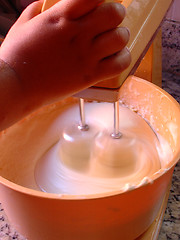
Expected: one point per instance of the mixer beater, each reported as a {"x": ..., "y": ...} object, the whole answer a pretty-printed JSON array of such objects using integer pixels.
[{"x": 84, "y": 127}]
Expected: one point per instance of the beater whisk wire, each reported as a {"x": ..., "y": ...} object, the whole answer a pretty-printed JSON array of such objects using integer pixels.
[
  {"x": 82, "y": 126},
  {"x": 116, "y": 134}
]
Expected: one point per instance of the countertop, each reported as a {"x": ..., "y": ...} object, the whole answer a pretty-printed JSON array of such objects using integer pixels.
[
  {"x": 171, "y": 83},
  {"x": 171, "y": 224}
]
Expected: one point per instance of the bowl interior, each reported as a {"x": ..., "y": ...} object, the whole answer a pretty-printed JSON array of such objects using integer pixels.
[{"x": 23, "y": 144}]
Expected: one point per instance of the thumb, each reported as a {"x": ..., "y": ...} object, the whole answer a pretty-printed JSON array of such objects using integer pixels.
[{"x": 31, "y": 11}]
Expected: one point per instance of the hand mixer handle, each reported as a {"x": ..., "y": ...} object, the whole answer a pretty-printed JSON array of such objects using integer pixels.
[
  {"x": 143, "y": 19},
  {"x": 48, "y": 3}
]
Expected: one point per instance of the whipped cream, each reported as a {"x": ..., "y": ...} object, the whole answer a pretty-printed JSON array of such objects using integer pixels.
[{"x": 90, "y": 162}]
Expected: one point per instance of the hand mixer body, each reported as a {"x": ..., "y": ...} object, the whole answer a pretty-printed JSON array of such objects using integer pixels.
[{"x": 142, "y": 19}]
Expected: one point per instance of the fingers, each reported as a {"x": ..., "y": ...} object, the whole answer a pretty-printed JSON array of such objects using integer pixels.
[
  {"x": 110, "y": 42},
  {"x": 105, "y": 17},
  {"x": 31, "y": 11},
  {"x": 113, "y": 65},
  {"x": 73, "y": 9}
]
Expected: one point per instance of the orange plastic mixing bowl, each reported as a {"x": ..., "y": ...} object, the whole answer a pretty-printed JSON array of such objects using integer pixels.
[{"x": 115, "y": 215}]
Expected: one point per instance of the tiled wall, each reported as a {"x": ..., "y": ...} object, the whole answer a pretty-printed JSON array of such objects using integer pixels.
[{"x": 171, "y": 40}]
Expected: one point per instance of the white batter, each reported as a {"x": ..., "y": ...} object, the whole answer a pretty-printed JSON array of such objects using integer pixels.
[{"x": 91, "y": 162}]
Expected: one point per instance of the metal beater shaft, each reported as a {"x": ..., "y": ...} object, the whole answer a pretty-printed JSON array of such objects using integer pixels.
[
  {"x": 82, "y": 126},
  {"x": 116, "y": 134}
]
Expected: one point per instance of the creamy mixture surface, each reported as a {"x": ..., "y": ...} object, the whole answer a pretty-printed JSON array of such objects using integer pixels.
[{"x": 89, "y": 162}]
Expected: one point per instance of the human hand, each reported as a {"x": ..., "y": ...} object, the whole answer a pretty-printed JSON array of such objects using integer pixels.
[{"x": 67, "y": 48}]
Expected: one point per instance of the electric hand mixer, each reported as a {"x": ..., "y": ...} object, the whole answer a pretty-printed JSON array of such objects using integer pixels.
[{"x": 143, "y": 19}]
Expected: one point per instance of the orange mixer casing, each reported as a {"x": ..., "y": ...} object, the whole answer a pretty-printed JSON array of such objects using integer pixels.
[{"x": 143, "y": 20}]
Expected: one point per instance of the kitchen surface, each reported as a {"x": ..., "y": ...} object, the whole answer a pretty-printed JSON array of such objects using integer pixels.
[{"x": 171, "y": 83}]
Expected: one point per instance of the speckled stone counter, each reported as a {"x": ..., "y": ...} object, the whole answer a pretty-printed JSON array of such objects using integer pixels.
[
  {"x": 171, "y": 47},
  {"x": 171, "y": 83},
  {"x": 171, "y": 224}
]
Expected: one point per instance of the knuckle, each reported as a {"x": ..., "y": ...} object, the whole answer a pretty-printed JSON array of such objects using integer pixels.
[
  {"x": 123, "y": 59},
  {"x": 127, "y": 58},
  {"x": 116, "y": 12},
  {"x": 122, "y": 34}
]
